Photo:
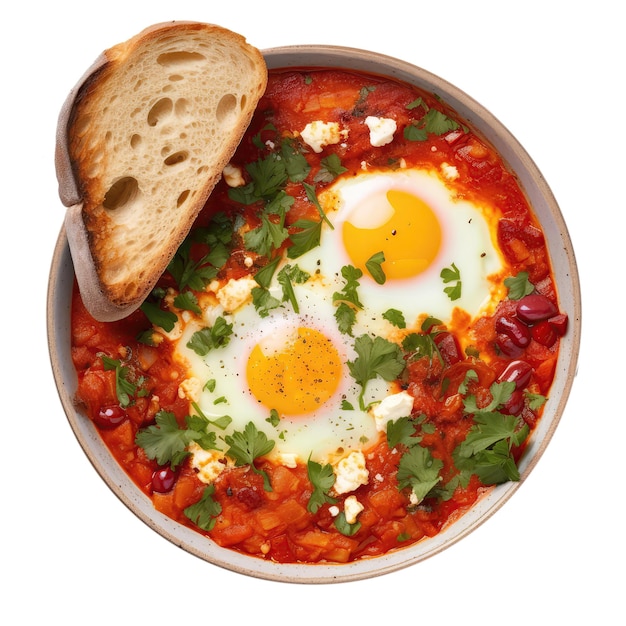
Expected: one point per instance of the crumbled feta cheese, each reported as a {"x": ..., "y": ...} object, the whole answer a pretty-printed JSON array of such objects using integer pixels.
[
  {"x": 235, "y": 293},
  {"x": 190, "y": 388},
  {"x": 382, "y": 130},
  {"x": 208, "y": 463},
  {"x": 449, "y": 171},
  {"x": 351, "y": 473},
  {"x": 351, "y": 509},
  {"x": 288, "y": 459},
  {"x": 333, "y": 510},
  {"x": 392, "y": 408},
  {"x": 233, "y": 176},
  {"x": 319, "y": 134}
]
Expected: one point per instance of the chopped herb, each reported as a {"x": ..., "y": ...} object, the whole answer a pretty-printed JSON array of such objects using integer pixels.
[
  {"x": 322, "y": 479},
  {"x": 330, "y": 168},
  {"x": 402, "y": 431},
  {"x": 187, "y": 301},
  {"x": 167, "y": 443},
  {"x": 264, "y": 301},
  {"x": 519, "y": 286},
  {"x": 374, "y": 267},
  {"x": 125, "y": 389},
  {"x": 274, "y": 418},
  {"x": 204, "y": 512},
  {"x": 344, "y": 528},
  {"x": 207, "y": 339},
  {"x": 395, "y": 317},
  {"x": 286, "y": 277},
  {"x": 376, "y": 357},
  {"x": 247, "y": 446},
  {"x": 419, "y": 470},
  {"x": 158, "y": 317},
  {"x": 449, "y": 275}
]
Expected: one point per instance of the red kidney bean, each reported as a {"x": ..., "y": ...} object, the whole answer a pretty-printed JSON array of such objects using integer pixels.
[
  {"x": 507, "y": 347},
  {"x": 515, "y": 404},
  {"x": 163, "y": 479},
  {"x": 544, "y": 334},
  {"x": 535, "y": 308},
  {"x": 559, "y": 324},
  {"x": 448, "y": 347},
  {"x": 110, "y": 416},
  {"x": 518, "y": 372},
  {"x": 517, "y": 331}
]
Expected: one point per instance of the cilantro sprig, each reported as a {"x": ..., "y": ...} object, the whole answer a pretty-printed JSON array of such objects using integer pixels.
[
  {"x": 322, "y": 479},
  {"x": 126, "y": 388},
  {"x": 347, "y": 300},
  {"x": 247, "y": 446},
  {"x": 166, "y": 442},
  {"x": 487, "y": 449},
  {"x": 452, "y": 275},
  {"x": 376, "y": 357},
  {"x": 204, "y": 512},
  {"x": 420, "y": 471}
]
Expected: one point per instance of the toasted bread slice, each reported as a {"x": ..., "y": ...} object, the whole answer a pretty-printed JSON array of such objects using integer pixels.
[{"x": 141, "y": 141}]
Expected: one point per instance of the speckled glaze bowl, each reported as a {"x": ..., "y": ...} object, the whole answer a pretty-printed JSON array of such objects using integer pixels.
[{"x": 565, "y": 270}]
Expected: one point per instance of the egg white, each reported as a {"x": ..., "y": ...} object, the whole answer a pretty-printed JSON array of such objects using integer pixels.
[
  {"x": 323, "y": 434},
  {"x": 466, "y": 241}
]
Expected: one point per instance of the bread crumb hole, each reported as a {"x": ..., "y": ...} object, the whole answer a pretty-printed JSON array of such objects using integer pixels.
[
  {"x": 121, "y": 193},
  {"x": 226, "y": 108},
  {"x": 176, "y": 158},
  {"x": 135, "y": 141},
  {"x": 182, "y": 198},
  {"x": 180, "y": 59},
  {"x": 159, "y": 111}
]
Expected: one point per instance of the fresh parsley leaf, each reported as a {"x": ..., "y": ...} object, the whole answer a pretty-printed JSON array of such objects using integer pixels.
[
  {"x": 312, "y": 197},
  {"x": 345, "y": 317},
  {"x": 264, "y": 276},
  {"x": 330, "y": 168},
  {"x": 158, "y": 317},
  {"x": 187, "y": 301},
  {"x": 341, "y": 524},
  {"x": 125, "y": 389},
  {"x": 376, "y": 357},
  {"x": 449, "y": 275},
  {"x": 374, "y": 267},
  {"x": 286, "y": 277},
  {"x": 247, "y": 446},
  {"x": 207, "y": 339},
  {"x": 500, "y": 394},
  {"x": 266, "y": 237},
  {"x": 395, "y": 317},
  {"x": 296, "y": 165},
  {"x": 349, "y": 293},
  {"x": 519, "y": 286},
  {"x": 204, "y": 512},
  {"x": 165, "y": 441},
  {"x": 402, "y": 431},
  {"x": 274, "y": 418},
  {"x": 306, "y": 239},
  {"x": 264, "y": 301},
  {"x": 535, "y": 400},
  {"x": 419, "y": 470},
  {"x": 322, "y": 479}
]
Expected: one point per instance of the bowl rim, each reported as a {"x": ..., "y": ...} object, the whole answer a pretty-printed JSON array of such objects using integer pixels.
[{"x": 61, "y": 278}]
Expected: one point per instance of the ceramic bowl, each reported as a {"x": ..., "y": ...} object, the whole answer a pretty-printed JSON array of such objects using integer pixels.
[{"x": 565, "y": 270}]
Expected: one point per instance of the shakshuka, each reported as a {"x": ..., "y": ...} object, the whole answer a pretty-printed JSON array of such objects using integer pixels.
[{"x": 353, "y": 344}]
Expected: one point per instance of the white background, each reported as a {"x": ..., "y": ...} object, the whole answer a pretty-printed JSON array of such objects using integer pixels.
[{"x": 553, "y": 73}]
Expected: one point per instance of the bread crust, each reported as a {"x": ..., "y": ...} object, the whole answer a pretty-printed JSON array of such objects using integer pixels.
[{"x": 142, "y": 139}]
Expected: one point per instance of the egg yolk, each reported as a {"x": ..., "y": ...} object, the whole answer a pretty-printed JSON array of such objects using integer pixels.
[
  {"x": 400, "y": 225},
  {"x": 295, "y": 375}
]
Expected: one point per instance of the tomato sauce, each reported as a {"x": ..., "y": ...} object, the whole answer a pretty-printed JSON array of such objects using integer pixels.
[{"x": 496, "y": 347}]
